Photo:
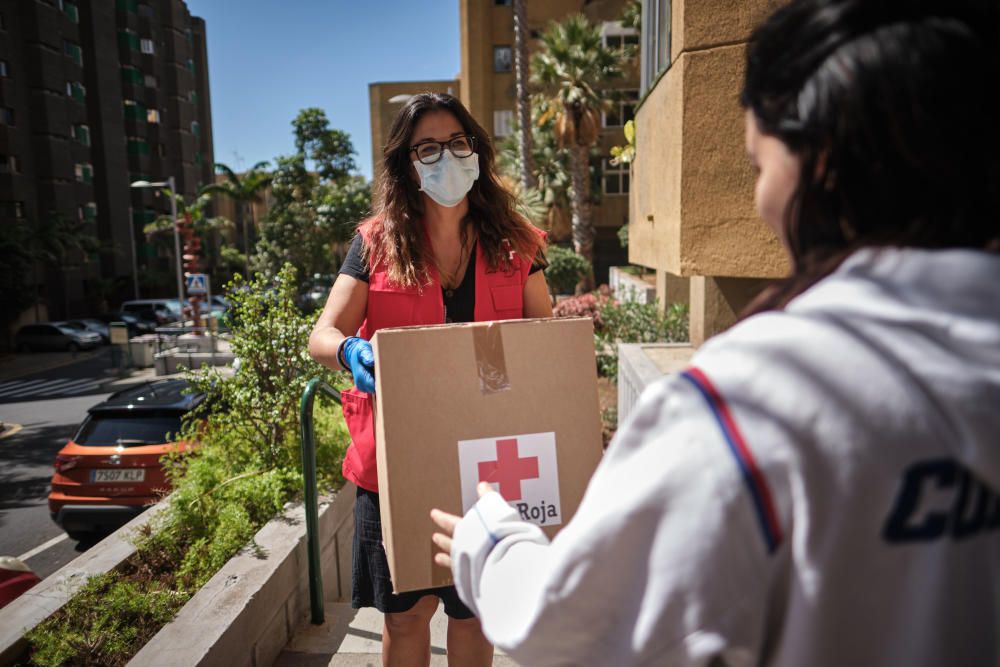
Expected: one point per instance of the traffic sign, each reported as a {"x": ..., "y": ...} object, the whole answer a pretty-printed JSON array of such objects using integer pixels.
[{"x": 197, "y": 284}]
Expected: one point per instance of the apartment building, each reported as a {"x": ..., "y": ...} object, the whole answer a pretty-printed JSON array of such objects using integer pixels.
[
  {"x": 94, "y": 96},
  {"x": 488, "y": 90},
  {"x": 692, "y": 215}
]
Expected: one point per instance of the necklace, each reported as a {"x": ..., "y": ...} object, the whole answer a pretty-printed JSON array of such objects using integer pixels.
[{"x": 450, "y": 279}]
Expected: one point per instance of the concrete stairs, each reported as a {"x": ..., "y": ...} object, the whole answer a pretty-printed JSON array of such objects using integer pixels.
[{"x": 353, "y": 638}]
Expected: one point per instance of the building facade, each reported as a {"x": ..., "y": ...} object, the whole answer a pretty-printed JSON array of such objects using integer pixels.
[
  {"x": 692, "y": 214},
  {"x": 94, "y": 96},
  {"x": 488, "y": 90}
]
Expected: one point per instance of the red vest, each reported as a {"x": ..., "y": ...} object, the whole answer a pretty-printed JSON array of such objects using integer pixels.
[{"x": 499, "y": 296}]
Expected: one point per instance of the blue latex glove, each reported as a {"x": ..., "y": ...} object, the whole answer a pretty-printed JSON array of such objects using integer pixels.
[{"x": 361, "y": 360}]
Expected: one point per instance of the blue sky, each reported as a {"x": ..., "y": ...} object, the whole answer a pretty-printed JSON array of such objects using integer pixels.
[{"x": 269, "y": 58}]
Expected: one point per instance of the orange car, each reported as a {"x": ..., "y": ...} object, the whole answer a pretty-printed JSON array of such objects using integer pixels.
[{"x": 110, "y": 471}]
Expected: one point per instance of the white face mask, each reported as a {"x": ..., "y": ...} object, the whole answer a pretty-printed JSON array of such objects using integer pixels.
[{"x": 448, "y": 180}]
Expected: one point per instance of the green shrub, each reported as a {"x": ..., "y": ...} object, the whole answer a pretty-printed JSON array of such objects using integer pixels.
[
  {"x": 630, "y": 322},
  {"x": 244, "y": 471},
  {"x": 565, "y": 270}
]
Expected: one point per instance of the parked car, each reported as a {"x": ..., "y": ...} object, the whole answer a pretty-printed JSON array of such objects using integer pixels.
[
  {"x": 136, "y": 325},
  {"x": 54, "y": 337},
  {"x": 165, "y": 310},
  {"x": 110, "y": 471},
  {"x": 89, "y": 324}
]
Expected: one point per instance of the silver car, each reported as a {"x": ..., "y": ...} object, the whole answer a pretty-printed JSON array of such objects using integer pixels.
[{"x": 54, "y": 337}]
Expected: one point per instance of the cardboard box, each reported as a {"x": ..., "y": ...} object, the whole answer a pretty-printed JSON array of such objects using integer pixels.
[{"x": 512, "y": 402}]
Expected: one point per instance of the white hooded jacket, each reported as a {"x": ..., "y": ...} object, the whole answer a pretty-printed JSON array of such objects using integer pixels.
[{"x": 820, "y": 488}]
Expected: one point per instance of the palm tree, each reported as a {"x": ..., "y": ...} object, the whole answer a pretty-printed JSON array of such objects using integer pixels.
[
  {"x": 528, "y": 180},
  {"x": 58, "y": 240},
  {"x": 245, "y": 191},
  {"x": 572, "y": 69}
]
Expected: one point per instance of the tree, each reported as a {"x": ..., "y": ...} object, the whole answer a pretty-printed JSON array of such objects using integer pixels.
[
  {"x": 56, "y": 239},
  {"x": 16, "y": 290},
  {"x": 572, "y": 69},
  {"x": 330, "y": 150},
  {"x": 190, "y": 214},
  {"x": 312, "y": 211},
  {"x": 245, "y": 191},
  {"x": 527, "y": 171}
]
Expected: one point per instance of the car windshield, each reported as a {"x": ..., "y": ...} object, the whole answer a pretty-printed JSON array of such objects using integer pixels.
[
  {"x": 66, "y": 329},
  {"x": 128, "y": 430}
]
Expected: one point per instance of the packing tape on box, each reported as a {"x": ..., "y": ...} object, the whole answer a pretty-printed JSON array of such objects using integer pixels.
[{"x": 490, "y": 361}]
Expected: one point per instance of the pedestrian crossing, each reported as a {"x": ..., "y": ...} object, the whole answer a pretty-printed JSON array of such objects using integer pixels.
[{"x": 46, "y": 388}]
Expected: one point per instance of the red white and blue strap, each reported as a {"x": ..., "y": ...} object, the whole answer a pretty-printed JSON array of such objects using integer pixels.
[{"x": 756, "y": 484}]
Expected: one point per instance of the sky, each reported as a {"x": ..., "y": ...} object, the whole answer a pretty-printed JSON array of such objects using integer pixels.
[{"x": 267, "y": 59}]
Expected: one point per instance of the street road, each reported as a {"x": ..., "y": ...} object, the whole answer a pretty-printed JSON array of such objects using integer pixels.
[{"x": 49, "y": 405}]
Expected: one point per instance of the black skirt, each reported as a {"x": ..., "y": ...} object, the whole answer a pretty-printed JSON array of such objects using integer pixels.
[{"x": 372, "y": 585}]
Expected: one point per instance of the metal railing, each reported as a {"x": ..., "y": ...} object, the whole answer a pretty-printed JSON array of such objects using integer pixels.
[{"x": 311, "y": 501}]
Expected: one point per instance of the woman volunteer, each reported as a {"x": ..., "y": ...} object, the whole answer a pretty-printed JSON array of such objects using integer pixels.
[
  {"x": 821, "y": 486},
  {"x": 445, "y": 245}
]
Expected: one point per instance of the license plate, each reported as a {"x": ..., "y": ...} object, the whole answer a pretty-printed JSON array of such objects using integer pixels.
[{"x": 119, "y": 475}]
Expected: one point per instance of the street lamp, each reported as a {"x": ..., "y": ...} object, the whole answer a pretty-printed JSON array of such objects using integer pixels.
[{"x": 169, "y": 184}]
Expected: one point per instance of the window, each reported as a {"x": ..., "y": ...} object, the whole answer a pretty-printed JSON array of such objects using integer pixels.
[
  {"x": 74, "y": 52},
  {"x": 107, "y": 431},
  {"x": 127, "y": 39},
  {"x": 82, "y": 134},
  {"x": 15, "y": 164},
  {"x": 12, "y": 209},
  {"x": 503, "y": 123},
  {"x": 503, "y": 61},
  {"x": 146, "y": 46},
  {"x": 150, "y": 81},
  {"x": 655, "y": 41},
  {"x": 622, "y": 110},
  {"x": 501, "y": 3},
  {"x": 132, "y": 75},
  {"x": 3, "y": 69},
  {"x": 127, "y": 5},
  {"x": 193, "y": 97},
  {"x": 189, "y": 36},
  {"x": 70, "y": 10},
  {"x": 90, "y": 211},
  {"x": 152, "y": 116},
  {"x": 76, "y": 90},
  {"x": 615, "y": 178},
  {"x": 135, "y": 110},
  {"x": 196, "y": 128},
  {"x": 146, "y": 11},
  {"x": 84, "y": 172},
  {"x": 161, "y": 150},
  {"x": 4, "y": 163},
  {"x": 616, "y": 36},
  {"x": 7, "y": 116},
  {"x": 190, "y": 65},
  {"x": 137, "y": 146}
]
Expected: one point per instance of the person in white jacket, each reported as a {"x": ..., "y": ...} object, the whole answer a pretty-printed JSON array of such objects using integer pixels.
[{"x": 822, "y": 485}]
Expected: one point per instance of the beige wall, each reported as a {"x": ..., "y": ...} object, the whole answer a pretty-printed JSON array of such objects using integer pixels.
[
  {"x": 692, "y": 213},
  {"x": 382, "y": 112}
]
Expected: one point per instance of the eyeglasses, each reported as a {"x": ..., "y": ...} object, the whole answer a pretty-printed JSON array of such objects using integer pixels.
[{"x": 430, "y": 151}]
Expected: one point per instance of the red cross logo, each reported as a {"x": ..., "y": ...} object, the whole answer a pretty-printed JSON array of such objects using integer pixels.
[{"x": 509, "y": 470}]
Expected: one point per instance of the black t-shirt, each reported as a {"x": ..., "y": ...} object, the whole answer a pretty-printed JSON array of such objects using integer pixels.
[{"x": 459, "y": 303}]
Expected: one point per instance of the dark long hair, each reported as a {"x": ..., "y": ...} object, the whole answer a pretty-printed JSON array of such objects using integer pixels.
[
  {"x": 399, "y": 241},
  {"x": 892, "y": 108}
]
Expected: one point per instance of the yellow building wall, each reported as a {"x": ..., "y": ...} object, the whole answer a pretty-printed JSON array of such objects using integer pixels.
[{"x": 692, "y": 212}]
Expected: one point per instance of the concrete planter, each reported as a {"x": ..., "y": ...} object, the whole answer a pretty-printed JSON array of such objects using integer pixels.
[
  {"x": 46, "y": 598},
  {"x": 243, "y": 616}
]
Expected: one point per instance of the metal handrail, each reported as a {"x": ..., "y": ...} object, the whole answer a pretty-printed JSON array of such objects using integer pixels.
[{"x": 308, "y": 444}]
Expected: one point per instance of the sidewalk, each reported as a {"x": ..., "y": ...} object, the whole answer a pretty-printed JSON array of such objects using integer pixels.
[
  {"x": 13, "y": 366},
  {"x": 353, "y": 638}
]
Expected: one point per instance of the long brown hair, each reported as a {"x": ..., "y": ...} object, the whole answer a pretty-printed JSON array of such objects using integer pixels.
[
  {"x": 889, "y": 107},
  {"x": 398, "y": 240}
]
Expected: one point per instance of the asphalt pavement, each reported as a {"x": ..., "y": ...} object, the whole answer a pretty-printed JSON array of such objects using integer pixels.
[{"x": 43, "y": 399}]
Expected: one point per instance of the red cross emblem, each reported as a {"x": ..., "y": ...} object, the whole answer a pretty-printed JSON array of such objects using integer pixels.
[{"x": 509, "y": 470}]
